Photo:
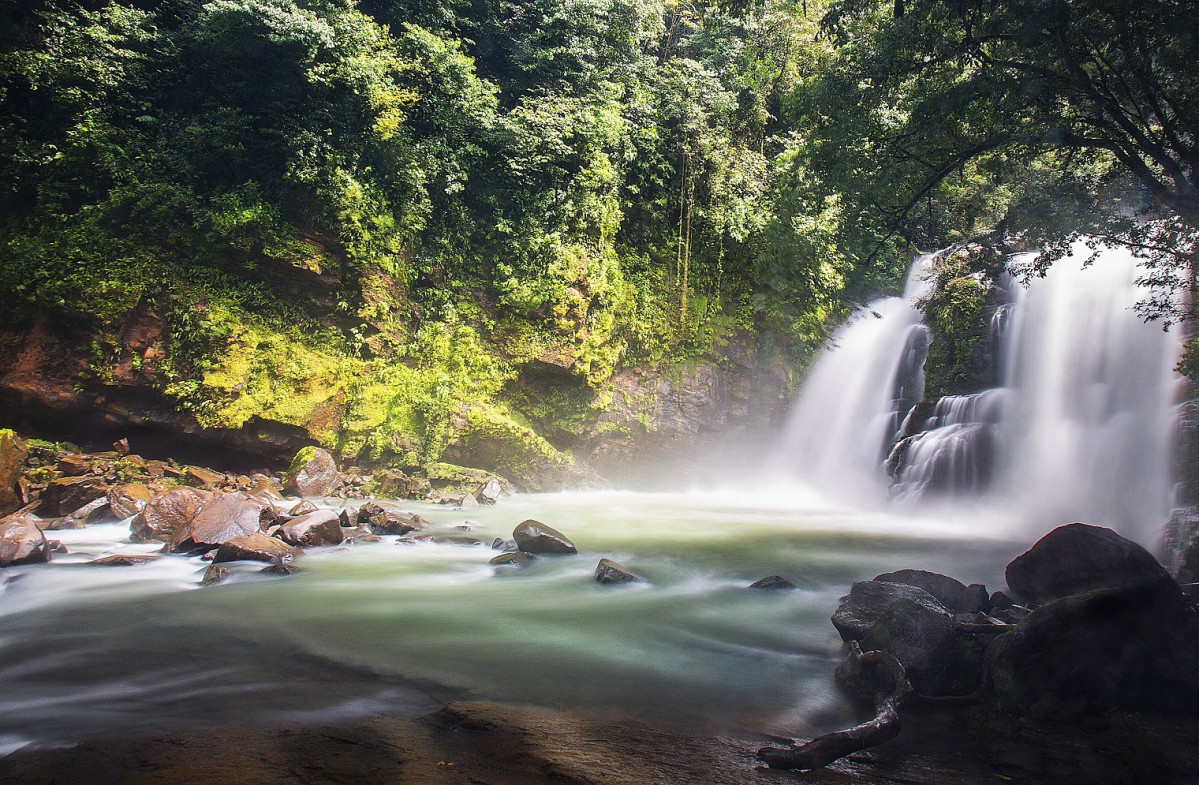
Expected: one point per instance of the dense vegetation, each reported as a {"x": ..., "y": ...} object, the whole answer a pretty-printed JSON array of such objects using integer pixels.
[{"x": 371, "y": 218}]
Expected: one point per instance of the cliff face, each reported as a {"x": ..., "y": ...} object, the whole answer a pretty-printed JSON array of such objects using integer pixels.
[{"x": 645, "y": 427}]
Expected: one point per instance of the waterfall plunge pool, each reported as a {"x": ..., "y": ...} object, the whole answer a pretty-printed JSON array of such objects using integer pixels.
[{"x": 93, "y": 652}]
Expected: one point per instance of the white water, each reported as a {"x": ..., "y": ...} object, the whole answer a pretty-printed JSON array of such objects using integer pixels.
[{"x": 1080, "y": 428}]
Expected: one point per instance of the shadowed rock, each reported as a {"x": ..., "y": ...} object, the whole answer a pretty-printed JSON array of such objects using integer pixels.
[
  {"x": 535, "y": 537},
  {"x": 867, "y": 601},
  {"x": 608, "y": 571},
  {"x": 773, "y": 582},
  {"x": 948, "y": 591}
]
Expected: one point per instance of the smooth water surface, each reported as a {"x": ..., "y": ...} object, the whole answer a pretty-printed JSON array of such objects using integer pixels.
[{"x": 396, "y": 627}]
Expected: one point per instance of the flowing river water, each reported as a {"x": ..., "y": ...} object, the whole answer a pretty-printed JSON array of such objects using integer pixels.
[{"x": 395, "y": 627}]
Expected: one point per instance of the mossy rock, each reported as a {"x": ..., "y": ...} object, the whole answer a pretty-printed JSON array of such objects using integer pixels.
[
  {"x": 496, "y": 442},
  {"x": 12, "y": 458},
  {"x": 452, "y": 479}
]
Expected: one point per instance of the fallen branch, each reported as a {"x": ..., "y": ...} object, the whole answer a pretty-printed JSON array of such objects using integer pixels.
[{"x": 889, "y": 695}]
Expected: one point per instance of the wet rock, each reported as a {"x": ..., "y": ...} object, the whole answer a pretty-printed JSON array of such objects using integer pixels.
[
  {"x": 216, "y": 573},
  {"x": 313, "y": 472},
  {"x": 1001, "y": 599},
  {"x": 22, "y": 542},
  {"x": 500, "y": 544},
  {"x": 227, "y": 516},
  {"x": 948, "y": 591},
  {"x": 166, "y": 514},
  {"x": 285, "y": 568},
  {"x": 67, "y": 494},
  {"x": 254, "y": 547},
  {"x": 1079, "y": 558},
  {"x": 74, "y": 465},
  {"x": 938, "y": 659},
  {"x": 974, "y": 599},
  {"x": 94, "y": 511},
  {"x": 1130, "y": 648},
  {"x": 12, "y": 458},
  {"x": 513, "y": 559},
  {"x": 867, "y": 601},
  {"x": 772, "y": 582},
  {"x": 392, "y": 484},
  {"x": 320, "y": 527},
  {"x": 202, "y": 477},
  {"x": 303, "y": 508},
  {"x": 489, "y": 492},
  {"x": 125, "y": 560},
  {"x": 385, "y": 518},
  {"x": 535, "y": 537},
  {"x": 1180, "y": 545},
  {"x": 128, "y": 499},
  {"x": 265, "y": 488},
  {"x": 608, "y": 571},
  {"x": 468, "y": 501}
]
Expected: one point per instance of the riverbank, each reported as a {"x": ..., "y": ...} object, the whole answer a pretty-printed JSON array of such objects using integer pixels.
[{"x": 479, "y": 743}]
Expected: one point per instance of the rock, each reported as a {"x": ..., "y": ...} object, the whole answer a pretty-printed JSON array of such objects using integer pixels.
[
  {"x": 202, "y": 477},
  {"x": 125, "y": 559},
  {"x": 74, "y": 465},
  {"x": 93, "y": 512},
  {"x": 867, "y": 601},
  {"x": 303, "y": 508},
  {"x": 468, "y": 501},
  {"x": 500, "y": 544},
  {"x": 67, "y": 494},
  {"x": 489, "y": 492},
  {"x": 321, "y": 527},
  {"x": 514, "y": 559},
  {"x": 128, "y": 499},
  {"x": 12, "y": 458},
  {"x": 313, "y": 472},
  {"x": 254, "y": 547},
  {"x": 392, "y": 484},
  {"x": 772, "y": 582},
  {"x": 938, "y": 659},
  {"x": 948, "y": 591},
  {"x": 1079, "y": 558},
  {"x": 285, "y": 568},
  {"x": 384, "y": 518},
  {"x": 215, "y": 574},
  {"x": 1001, "y": 600},
  {"x": 1130, "y": 648},
  {"x": 21, "y": 542},
  {"x": 535, "y": 537},
  {"x": 975, "y": 599},
  {"x": 265, "y": 488},
  {"x": 1180, "y": 545},
  {"x": 608, "y": 571},
  {"x": 166, "y": 514},
  {"x": 121, "y": 447},
  {"x": 227, "y": 516}
]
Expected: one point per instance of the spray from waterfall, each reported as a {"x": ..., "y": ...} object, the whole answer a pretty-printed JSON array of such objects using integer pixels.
[{"x": 1078, "y": 426}]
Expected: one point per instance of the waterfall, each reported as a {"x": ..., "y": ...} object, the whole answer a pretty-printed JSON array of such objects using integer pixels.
[{"x": 1078, "y": 425}]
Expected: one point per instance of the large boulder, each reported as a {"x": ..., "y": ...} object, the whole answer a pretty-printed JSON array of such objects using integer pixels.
[
  {"x": 1079, "y": 558},
  {"x": 1130, "y": 648},
  {"x": 313, "y": 472},
  {"x": 67, "y": 494},
  {"x": 227, "y": 516},
  {"x": 867, "y": 601},
  {"x": 535, "y": 537},
  {"x": 948, "y": 591},
  {"x": 256, "y": 546},
  {"x": 12, "y": 458},
  {"x": 385, "y": 518},
  {"x": 22, "y": 542},
  {"x": 320, "y": 527},
  {"x": 166, "y": 514},
  {"x": 1180, "y": 545},
  {"x": 938, "y": 657}
]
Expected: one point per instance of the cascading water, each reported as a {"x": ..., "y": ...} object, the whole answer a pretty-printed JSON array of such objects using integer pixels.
[{"x": 1078, "y": 428}]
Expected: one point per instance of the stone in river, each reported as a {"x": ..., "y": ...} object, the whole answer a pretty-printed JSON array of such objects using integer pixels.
[
  {"x": 1078, "y": 558},
  {"x": 128, "y": 499},
  {"x": 772, "y": 582},
  {"x": 320, "y": 527},
  {"x": 489, "y": 492},
  {"x": 22, "y": 542},
  {"x": 948, "y": 591},
  {"x": 225, "y": 517},
  {"x": 514, "y": 559},
  {"x": 385, "y": 518},
  {"x": 254, "y": 547},
  {"x": 313, "y": 472},
  {"x": 867, "y": 601},
  {"x": 166, "y": 514},
  {"x": 535, "y": 537},
  {"x": 214, "y": 574},
  {"x": 125, "y": 559},
  {"x": 608, "y": 571}
]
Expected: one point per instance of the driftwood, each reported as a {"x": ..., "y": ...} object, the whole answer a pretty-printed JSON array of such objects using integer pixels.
[{"x": 890, "y": 692}]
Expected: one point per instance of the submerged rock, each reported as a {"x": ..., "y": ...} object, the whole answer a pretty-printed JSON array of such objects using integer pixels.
[
  {"x": 1079, "y": 558},
  {"x": 216, "y": 573},
  {"x": 284, "y": 568},
  {"x": 772, "y": 582},
  {"x": 535, "y": 537},
  {"x": 125, "y": 559},
  {"x": 513, "y": 559},
  {"x": 22, "y": 542},
  {"x": 608, "y": 571}
]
